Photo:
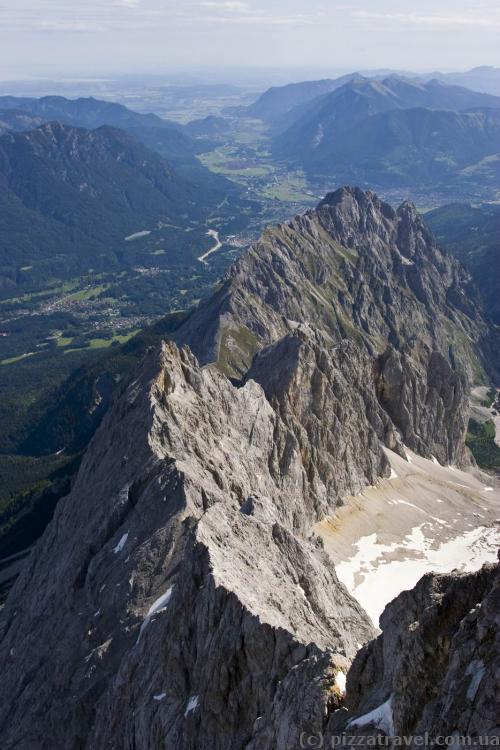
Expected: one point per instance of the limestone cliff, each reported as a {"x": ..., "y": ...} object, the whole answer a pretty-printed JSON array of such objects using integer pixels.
[{"x": 178, "y": 598}]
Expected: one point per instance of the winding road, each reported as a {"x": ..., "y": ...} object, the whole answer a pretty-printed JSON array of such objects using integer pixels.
[{"x": 217, "y": 246}]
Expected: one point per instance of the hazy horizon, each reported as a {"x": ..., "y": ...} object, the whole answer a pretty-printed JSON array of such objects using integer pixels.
[{"x": 118, "y": 37}]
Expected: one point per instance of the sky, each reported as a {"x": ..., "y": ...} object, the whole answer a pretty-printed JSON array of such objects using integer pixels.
[{"x": 101, "y": 37}]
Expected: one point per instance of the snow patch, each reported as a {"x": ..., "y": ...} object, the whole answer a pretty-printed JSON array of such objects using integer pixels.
[
  {"x": 137, "y": 235},
  {"x": 159, "y": 697},
  {"x": 406, "y": 261},
  {"x": 340, "y": 681},
  {"x": 393, "y": 474},
  {"x": 121, "y": 544},
  {"x": 377, "y": 573},
  {"x": 380, "y": 718},
  {"x": 192, "y": 704}
]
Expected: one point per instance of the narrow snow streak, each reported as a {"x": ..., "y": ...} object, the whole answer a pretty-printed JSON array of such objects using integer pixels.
[
  {"x": 192, "y": 705},
  {"x": 158, "y": 606},
  {"x": 476, "y": 670},
  {"x": 121, "y": 544}
]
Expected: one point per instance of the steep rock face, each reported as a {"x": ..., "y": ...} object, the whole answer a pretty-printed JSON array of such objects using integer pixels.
[
  {"x": 172, "y": 602},
  {"x": 419, "y": 382},
  {"x": 436, "y": 664},
  {"x": 325, "y": 396},
  {"x": 357, "y": 269},
  {"x": 354, "y": 267}
]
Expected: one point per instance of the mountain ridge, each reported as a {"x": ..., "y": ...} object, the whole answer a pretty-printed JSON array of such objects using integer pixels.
[
  {"x": 180, "y": 595},
  {"x": 81, "y": 193},
  {"x": 392, "y": 131},
  {"x": 293, "y": 99},
  {"x": 169, "y": 139},
  {"x": 40, "y": 184},
  {"x": 275, "y": 103}
]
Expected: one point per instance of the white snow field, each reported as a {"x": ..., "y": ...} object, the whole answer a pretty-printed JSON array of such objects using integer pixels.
[{"x": 424, "y": 518}]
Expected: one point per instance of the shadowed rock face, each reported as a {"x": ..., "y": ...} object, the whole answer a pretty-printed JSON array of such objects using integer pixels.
[
  {"x": 326, "y": 396},
  {"x": 427, "y": 401},
  {"x": 178, "y": 598},
  {"x": 437, "y": 660}
]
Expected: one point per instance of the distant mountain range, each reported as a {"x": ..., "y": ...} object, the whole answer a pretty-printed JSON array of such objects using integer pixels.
[
  {"x": 483, "y": 78},
  {"x": 83, "y": 112},
  {"x": 171, "y": 140},
  {"x": 87, "y": 113},
  {"x": 361, "y": 98},
  {"x": 277, "y": 101},
  {"x": 69, "y": 197},
  {"x": 410, "y": 146},
  {"x": 393, "y": 132}
]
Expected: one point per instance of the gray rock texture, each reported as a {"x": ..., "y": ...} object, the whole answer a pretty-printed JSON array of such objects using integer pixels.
[
  {"x": 427, "y": 400},
  {"x": 178, "y": 598},
  {"x": 437, "y": 660},
  {"x": 355, "y": 268},
  {"x": 172, "y": 601}
]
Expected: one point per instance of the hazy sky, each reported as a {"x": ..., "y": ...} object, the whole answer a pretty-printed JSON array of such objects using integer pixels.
[{"x": 41, "y": 37}]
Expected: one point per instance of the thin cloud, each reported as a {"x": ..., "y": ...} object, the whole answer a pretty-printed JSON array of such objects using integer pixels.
[
  {"x": 231, "y": 5},
  {"x": 68, "y": 26},
  {"x": 127, "y": 3},
  {"x": 237, "y": 12},
  {"x": 265, "y": 20},
  {"x": 428, "y": 19}
]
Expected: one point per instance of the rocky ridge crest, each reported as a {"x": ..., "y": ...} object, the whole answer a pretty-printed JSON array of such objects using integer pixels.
[{"x": 178, "y": 598}]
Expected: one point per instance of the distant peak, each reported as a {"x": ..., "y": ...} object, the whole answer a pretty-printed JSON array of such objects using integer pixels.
[
  {"x": 408, "y": 210},
  {"x": 346, "y": 191},
  {"x": 483, "y": 69},
  {"x": 351, "y": 198},
  {"x": 348, "y": 194},
  {"x": 54, "y": 126}
]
